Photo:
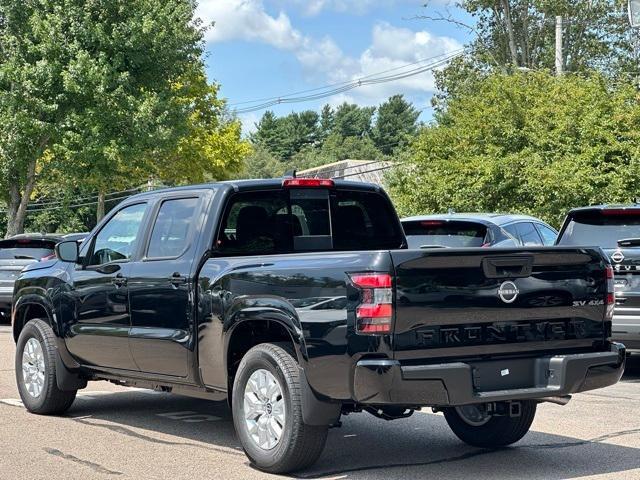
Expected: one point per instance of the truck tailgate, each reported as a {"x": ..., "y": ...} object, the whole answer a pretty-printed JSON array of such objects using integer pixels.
[{"x": 477, "y": 302}]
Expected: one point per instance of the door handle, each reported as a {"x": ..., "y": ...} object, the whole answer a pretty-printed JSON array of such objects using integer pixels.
[
  {"x": 176, "y": 279},
  {"x": 119, "y": 280}
]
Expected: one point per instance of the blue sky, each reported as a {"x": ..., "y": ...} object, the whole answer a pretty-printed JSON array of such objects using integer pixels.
[{"x": 268, "y": 48}]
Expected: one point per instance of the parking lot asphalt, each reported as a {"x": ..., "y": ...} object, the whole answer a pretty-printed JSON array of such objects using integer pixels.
[{"x": 113, "y": 432}]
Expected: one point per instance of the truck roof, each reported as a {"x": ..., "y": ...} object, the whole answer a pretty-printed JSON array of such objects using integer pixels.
[
  {"x": 254, "y": 184},
  {"x": 602, "y": 207}
]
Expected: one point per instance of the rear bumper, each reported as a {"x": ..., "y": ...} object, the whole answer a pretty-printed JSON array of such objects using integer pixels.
[{"x": 379, "y": 382}]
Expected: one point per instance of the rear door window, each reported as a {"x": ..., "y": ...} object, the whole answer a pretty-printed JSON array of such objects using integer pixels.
[
  {"x": 548, "y": 235},
  {"x": 525, "y": 233},
  {"x": 442, "y": 233},
  {"x": 170, "y": 235}
]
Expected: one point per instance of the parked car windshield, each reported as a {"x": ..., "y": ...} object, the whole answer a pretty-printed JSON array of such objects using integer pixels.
[
  {"x": 430, "y": 233},
  {"x": 601, "y": 229},
  {"x": 25, "y": 249}
]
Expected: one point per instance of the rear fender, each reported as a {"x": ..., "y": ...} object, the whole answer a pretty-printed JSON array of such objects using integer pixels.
[{"x": 266, "y": 308}]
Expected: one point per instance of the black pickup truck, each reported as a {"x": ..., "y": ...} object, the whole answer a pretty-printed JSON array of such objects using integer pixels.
[{"x": 298, "y": 301}]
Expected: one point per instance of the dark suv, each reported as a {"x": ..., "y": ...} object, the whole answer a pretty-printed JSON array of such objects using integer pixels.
[
  {"x": 456, "y": 230},
  {"x": 616, "y": 229},
  {"x": 19, "y": 251}
]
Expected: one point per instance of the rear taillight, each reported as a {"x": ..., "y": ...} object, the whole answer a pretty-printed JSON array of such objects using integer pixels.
[
  {"x": 374, "y": 313},
  {"x": 611, "y": 295}
]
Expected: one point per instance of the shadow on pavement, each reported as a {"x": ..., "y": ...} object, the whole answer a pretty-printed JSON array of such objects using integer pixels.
[
  {"x": 364, "y": 447},
  {"x": 632, "y": 369}
]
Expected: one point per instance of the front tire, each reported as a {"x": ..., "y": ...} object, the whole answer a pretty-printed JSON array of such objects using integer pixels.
[
  {"x": 35, "y": 366},
  {"x": 474, "y": 427},
  {"x": 267, "y": 412}
]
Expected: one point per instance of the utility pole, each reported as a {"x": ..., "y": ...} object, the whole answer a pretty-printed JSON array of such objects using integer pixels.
[{"x": 559, "y": 58}]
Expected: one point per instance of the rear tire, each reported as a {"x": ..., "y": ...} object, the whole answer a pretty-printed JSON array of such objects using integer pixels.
[
  {"x": 267, "y": 412},
  {"x": 35, "y": 366},
  {"x": 492, "y": 432}
]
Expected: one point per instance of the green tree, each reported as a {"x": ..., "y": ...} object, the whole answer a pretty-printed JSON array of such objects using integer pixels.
[
  {"x": 286, "y": 136},
  {"x": 91, "y": 89},
  {"x": 211, "y": 149},
  {"x": 260, "y": 163},
  {"x": 353, "y": 121},
  {"x": 327, "y": 122},
  {"x": 527, "y": 142},
  {"x": 395, "y": 125},
  {"x": 270, "y": 134},
  {"x": 521, "y": 33}
]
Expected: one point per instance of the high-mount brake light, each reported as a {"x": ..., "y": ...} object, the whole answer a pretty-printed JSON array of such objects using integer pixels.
[
  {"x": 611, "y": 295},
  {"x": 628, "y": 212},
  {"x": 374, "y": 314},
  {"x": 432, "y": 223},
  {"x": 308, "y": 182}
]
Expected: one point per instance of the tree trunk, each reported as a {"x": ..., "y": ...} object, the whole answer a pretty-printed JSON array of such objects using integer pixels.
[
  {"x": 510, "y": 33},
  {"x": 100, "y": 209},
  {"x": 18, "y": 201}
]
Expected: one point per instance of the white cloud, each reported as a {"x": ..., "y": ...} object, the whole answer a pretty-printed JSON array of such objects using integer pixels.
[
  {"x": 394, "y": 47},
  {"x": 322, "y": 59},
  {"x": 354, "y": 7},
  {"x": 314, "y": 7},
  {"x": 391, "y": 48},
  {"x": 248, "y": 20}
]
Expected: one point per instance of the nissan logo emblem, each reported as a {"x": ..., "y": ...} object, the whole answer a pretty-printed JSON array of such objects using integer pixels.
[
  {"x": 617, "y": 256},
  {"x": 508, "y": 292}
]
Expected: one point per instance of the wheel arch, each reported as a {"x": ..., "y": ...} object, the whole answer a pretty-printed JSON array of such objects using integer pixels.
[
  {"x": 30, "y": 307},
  {"x": 253, "y": 328}
]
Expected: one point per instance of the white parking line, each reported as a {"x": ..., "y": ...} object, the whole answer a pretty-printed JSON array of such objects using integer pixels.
[
  {"x": 14, "y": 402},
  {"x": 84, "y": 395}
]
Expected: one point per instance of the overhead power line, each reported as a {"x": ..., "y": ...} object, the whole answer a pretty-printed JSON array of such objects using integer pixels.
[
  {"x": 331, "y": 90},
  {"x": 300, "y": 92},
  {"x": 80, "y": 199}
]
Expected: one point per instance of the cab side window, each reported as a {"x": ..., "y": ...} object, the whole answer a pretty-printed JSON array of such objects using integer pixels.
[
  {"x": 170, "y": 233},
  {"x": 117, "y": 240}
]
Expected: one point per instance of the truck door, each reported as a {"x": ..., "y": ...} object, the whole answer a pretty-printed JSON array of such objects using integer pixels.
[
  {"x": 161, "y": 290},
  {"x": 99, "y": 317}
]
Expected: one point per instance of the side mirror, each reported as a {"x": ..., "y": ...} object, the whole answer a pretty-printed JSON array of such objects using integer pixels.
[{"x": 67, "y": 251}]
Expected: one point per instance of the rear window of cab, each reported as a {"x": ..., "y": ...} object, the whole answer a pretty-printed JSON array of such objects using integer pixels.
[{"x": 307, "y": 219}]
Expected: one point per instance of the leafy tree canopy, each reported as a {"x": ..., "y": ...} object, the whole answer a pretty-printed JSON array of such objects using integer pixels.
[
  {"x": 526, "y": 142},
  {"x": 104, "y": 94},
  {"x": 308, "y": 139}
]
